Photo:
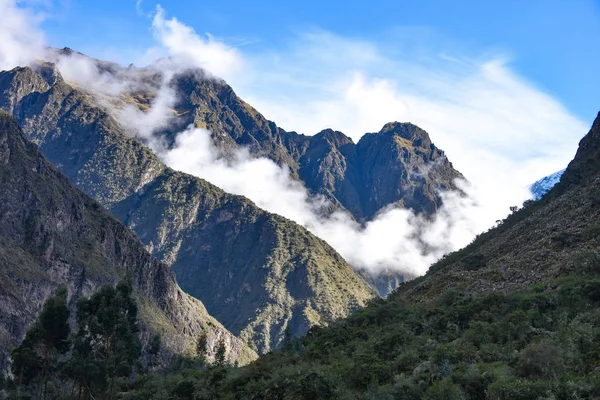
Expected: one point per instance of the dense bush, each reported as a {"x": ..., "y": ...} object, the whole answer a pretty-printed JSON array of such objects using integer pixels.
[{"x": 542, "y": 342}]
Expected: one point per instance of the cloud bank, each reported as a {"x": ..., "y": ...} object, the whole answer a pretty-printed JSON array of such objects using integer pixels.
[{"x": 396, "y": 239}]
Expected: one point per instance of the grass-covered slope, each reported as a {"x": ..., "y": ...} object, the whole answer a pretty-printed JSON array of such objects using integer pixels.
[
  {"x": 514, "y": 315},
  {"x": 52, "y": 234},
  {"x": 225, "y": 251}
]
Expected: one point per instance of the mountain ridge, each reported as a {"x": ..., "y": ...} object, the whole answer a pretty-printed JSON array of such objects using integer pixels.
[{"x": 167, "y": 209}]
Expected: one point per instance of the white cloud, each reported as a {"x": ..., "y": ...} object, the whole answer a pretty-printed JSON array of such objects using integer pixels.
[
  {"x": 181, "y": 41},
  {"x": 396, "y": 239},
  {"x": 21, "y": 40}
]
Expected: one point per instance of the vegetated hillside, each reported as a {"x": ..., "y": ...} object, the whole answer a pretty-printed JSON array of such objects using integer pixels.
[
  {"x": 543, "y": 240},
  {"x": 398, "y": 165},
  {"x": 52, "y": 235},
  {"x": 514, "y": 315},
  {"x": 257, "y": 273}
]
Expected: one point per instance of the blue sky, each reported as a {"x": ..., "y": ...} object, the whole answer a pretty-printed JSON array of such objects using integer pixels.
[{"x": 552, "y": 43}]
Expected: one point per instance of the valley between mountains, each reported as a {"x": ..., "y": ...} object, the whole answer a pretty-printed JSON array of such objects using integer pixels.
[
  {"x": 87, "y": 201},
  {"x": 257, "y": 273}
]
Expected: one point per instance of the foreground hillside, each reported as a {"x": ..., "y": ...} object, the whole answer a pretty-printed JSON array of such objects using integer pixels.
[
  {"x": 52, "y": 235},
  {"x": 514, "y": 315},
  {"x": 257, "y": 273}
]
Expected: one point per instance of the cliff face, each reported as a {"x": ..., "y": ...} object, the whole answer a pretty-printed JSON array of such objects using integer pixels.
[
  {"x": 52, "y": 234},
  {"x": 225, "y": 251}
]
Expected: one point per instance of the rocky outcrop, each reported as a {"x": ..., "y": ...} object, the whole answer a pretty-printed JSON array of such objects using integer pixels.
[{"x": 52, "y": 235}]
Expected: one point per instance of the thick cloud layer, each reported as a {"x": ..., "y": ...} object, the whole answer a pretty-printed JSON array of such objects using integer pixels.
[{"x": 396, "y": 239}]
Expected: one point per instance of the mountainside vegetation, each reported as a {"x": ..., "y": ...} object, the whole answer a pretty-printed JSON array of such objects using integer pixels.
[
  {"x": 514, "y": 315},
  {"x": 398, "y": 165}
]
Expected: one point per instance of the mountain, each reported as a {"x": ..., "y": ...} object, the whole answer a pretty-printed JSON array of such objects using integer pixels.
[
  {"x": 52, "y": 235},
  {"x": 256, "y": 272},
  {"x": 514, "y": 315},
  {"x": 545, "y": 239},
  {"x": 398, "y": 165},
  {"x": 543, "y": 186}
]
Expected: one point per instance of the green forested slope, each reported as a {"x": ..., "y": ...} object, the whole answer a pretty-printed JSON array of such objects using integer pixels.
[{"x": 514, "y": 315}]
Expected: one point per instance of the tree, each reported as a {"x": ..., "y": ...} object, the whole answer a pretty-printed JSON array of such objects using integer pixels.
[
  {"x": 107, "y": 343},
  {"x": 201, "y": 345},
  {"x": 38, "y": 355},
  {"x": 287, "y": 335},
  {"x": 154, "y": 350},
  {"x": 220, "y": 353}
]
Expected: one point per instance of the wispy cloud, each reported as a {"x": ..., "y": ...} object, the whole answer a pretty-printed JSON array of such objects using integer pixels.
[
  {"x": 179, "y": 40},
  {"x": 21, "y": 40},
  {"x": 498, "y": 129}
]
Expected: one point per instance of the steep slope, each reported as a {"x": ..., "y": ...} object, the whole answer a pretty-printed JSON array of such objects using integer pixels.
[
  {"x": 51, "y": 234},
  {"x": 544, "y": 239},
  {"x": 398, "y": 165},
  {"x": 224, "y": 250}
]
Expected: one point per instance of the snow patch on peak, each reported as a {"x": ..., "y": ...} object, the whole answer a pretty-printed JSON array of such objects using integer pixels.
[{"x": 543, "y": 186}]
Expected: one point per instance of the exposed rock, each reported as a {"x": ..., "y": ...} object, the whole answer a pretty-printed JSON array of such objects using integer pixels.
[{"x": 399, "y": 165}]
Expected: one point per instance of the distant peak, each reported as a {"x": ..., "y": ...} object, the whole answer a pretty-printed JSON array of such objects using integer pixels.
[{"x": 67, "y": 51}]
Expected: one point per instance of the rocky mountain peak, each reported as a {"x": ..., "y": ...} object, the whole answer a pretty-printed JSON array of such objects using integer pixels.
[
  {"x": 408, "y": 131},
  {"x": 49, "y": 72},
  {"x": 335, "y": 138},
  {"x": 19, "y": 83}
]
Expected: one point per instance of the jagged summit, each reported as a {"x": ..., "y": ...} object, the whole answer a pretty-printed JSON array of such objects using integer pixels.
[
  {"x": 406, "y": 130},
  {"x": 335, "y": 138}
]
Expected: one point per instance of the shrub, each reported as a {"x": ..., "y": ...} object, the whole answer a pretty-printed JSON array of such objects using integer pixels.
[{"x": 539, "y": 360}]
